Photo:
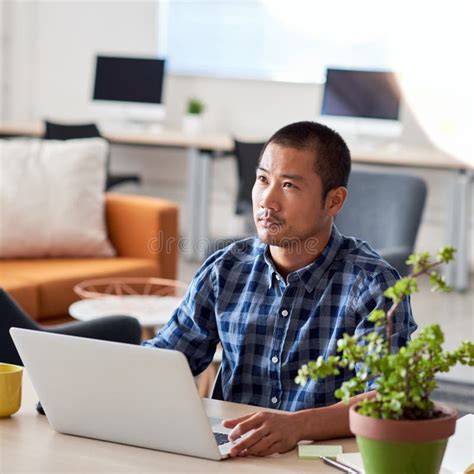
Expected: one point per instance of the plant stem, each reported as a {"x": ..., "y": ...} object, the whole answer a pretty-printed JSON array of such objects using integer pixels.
[
  {"x": 393, "y": 308},
  {"x": 425, "y": 269},
  {"x": 389, "y": 326}
]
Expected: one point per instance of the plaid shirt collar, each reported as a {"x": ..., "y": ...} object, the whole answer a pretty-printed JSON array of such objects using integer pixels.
[{"x": 311, "y": 273}]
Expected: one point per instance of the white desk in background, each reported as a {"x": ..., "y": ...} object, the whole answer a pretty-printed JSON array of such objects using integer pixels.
[{"x": 200, "y": 147}]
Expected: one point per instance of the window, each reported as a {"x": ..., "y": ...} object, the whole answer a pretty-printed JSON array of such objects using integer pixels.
[{"x": 271, "y": 39}]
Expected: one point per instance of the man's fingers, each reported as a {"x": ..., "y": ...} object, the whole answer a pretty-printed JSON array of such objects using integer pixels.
[
  {"x": 261, "y": 434},
  {"x": 264, "y": 446},
  {"x": 235, "y": 421},
  {"x": 272, "y": 449},
  {"x": 251, "y": 423},
  {"x": 249, "y": 441}
]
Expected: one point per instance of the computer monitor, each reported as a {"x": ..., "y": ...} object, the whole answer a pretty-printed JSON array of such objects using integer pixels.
[
  {"x": 362, "y": 103},
  {"x": 129, "y": 89}
]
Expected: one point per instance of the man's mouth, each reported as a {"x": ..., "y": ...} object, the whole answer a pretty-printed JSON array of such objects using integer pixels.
[{"x": 267, "y": 223}]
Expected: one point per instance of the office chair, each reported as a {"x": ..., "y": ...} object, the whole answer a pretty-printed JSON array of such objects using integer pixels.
[
  {"x": 111, "y": 328},
  {"x": 246, "y": 155},
  {"x": 385, "y": 210},
  {"x": 57, "y": 131}
]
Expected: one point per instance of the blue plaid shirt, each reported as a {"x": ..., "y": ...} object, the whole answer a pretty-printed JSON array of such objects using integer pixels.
[{"x": 269, "y": 328}]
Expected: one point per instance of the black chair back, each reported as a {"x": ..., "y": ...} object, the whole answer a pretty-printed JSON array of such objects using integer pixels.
[
  {"x": 60, "y": 131},
  {"x": 247, "y": 155}
]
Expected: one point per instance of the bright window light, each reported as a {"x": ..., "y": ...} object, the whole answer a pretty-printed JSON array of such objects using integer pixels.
[
  {"x": 267, "y": 39},
  {"x": 429, "y": 44}
]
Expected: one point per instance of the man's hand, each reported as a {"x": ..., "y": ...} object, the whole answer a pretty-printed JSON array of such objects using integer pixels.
[{"x": 271, "y": 433}]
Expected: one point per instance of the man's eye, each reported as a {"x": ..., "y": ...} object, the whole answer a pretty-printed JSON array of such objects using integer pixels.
[
  {"x": 288, "y": 185},
  {"x": 261, "y": 179}
]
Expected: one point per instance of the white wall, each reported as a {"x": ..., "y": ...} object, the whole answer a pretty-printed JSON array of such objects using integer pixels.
[
  {"x": 3, "y": 58},
  {"x": 54, "y": 45},
  {"x": 18, "y": 33}
]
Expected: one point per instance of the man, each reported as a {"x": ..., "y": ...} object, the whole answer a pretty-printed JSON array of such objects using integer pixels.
[{"x": 277, "y": 301}]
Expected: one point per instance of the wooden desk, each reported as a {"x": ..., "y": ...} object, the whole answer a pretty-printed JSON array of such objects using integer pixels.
[
  {"x": 28, "y": 444},
  {"x": 200, "y": 147}
]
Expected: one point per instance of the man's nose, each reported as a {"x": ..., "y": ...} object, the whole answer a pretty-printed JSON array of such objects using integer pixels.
[{"x": 269, "y": 198}]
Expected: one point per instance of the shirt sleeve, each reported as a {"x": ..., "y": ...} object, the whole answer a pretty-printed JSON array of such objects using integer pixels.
[
  {"x": 192, "y": 328},
  {"x": 372, "y": 297}
]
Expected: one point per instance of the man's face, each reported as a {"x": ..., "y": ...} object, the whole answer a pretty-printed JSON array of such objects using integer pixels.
[{"x": 287, "y": 198}]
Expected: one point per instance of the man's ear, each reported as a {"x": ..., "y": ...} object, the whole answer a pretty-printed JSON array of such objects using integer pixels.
[{"x": 335, "y": 201}]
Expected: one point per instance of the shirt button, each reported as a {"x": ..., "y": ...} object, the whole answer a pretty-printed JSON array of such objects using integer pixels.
[
  {"x": 274, "y": 400},
  {"x": 277, "y": 277},
  {"x": 284, "y": 313},
  {"x": 275, "y": 359}
]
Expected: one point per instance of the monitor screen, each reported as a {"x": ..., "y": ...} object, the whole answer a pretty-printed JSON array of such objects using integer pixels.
[
  {"x": 129, "y": 79},
  {"x": 364, "y": 94}
]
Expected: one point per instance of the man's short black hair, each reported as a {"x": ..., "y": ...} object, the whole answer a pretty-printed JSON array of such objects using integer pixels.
[{"x": 332, "y": 156}]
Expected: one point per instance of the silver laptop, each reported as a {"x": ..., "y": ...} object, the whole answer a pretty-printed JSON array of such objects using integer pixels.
[{"x": 120, "y": 392}]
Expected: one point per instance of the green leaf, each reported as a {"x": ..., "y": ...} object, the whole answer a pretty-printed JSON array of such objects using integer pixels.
[
  {"x": 377, "y": 315},
  {"x": 438, "y": 283},
  {"x": 446, "y": 254},
  {"x": 402, "y": 288},
  {"x": 419, "y": 261}
]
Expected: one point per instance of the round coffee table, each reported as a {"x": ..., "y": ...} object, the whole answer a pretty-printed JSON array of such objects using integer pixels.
[
  {"x": 151, "y": 311},
  {"x": 151, "y": 301}
]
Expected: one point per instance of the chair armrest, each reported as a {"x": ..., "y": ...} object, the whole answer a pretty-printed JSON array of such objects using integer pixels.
[{"x": 144, "y": 227}]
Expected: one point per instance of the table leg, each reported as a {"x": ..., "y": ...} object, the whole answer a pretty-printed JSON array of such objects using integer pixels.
[
  {"x": 205, "y": 167},
  {"x": 192, "y": 204},
  {"x": 458, "y": 231},
  {"x": 197, "y": 205}
]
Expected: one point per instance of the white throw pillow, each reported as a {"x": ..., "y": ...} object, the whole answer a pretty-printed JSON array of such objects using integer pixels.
[{"x": 52, "y": 201}]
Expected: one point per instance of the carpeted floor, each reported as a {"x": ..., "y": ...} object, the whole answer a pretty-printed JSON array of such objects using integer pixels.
[{"x": 457, "y": 394}]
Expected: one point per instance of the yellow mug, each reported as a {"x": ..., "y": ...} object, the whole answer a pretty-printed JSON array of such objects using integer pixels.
[{"x": 10, "y": 389}]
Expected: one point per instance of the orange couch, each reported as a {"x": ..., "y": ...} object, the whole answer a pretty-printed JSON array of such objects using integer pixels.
[{"x": 143, "y": 230}]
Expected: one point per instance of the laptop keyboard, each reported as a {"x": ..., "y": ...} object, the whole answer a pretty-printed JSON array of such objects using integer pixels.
[{"x": 221, "y": 438}]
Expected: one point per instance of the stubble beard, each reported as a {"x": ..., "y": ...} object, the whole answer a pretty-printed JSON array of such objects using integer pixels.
[{"x": 291, "y": 241}]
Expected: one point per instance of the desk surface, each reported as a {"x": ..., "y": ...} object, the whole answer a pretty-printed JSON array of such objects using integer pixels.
[
  {"x": 165, "y": 137},
  {"x": 28, "y": 444},
  {"x": 394, "y": 155}
]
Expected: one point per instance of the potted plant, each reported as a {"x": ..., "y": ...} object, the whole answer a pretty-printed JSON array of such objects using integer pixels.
[
  {"x": 399, "y": 430},
  {"x": 192, "y": 122}
]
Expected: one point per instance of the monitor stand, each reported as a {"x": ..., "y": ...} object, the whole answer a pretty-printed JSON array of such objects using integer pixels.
[
  {"x": 129, "y": 126},
  {"x": 127, "y": 117},
  {"x": 365, "y": 134}
]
